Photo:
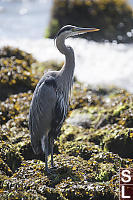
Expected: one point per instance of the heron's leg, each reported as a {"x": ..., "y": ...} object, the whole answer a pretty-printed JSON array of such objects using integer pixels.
[
  {"x": 52, "y": 146},
  {"x": 46, "y": 154}
]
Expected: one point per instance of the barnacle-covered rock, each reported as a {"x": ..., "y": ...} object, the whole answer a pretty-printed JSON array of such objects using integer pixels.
[
  {"x": 19, "y": 55},
  {"x": 14, "y": 131},
  {"x": 70, "y": 133},
  {"x": 14, "y": 106},
  {"x": 42, "y": 67},
  {"x": 83, "y": 96},
  {"x": 26, "y": 195},
  {"x": 15, "y": 73},
  {"x": 10, "y": 156},
  {"x": 99, "y": 171},
  {"x": 94, "y": 179},
  {"x": 86, "y": 104},
  {"x": 79, "y": 148},
  {"x": 86, "y": 190},
  {"x": 87, "y": 153},
  {"x": 31, "y": 180},
  {"x": 4, "y": 170},
  {"x": 114, "y": 138},
  {"x": 115, "y": 108},
  {"x": 122, "y": 106},
  {"x": 120, "y": 142}
]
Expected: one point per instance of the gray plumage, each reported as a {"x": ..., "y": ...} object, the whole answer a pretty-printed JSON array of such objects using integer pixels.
[{"x": 50, "y": 100}]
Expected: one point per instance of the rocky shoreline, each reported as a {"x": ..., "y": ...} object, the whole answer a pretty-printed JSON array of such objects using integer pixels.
[{"x": 95, "y": 140}]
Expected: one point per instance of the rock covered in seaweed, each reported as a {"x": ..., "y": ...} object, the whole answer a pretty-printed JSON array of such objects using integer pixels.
[
  {"x": 10, "y": 52},
  {"x": 87, "y": 157},
  {"x": 15, "y": 105},
  {"x": 15, "y": 72},
  {"x": 70, "y": 180}
]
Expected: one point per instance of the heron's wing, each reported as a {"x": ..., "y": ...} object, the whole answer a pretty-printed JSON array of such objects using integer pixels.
[
  {"x": 60, "y": 113},
  {"x": 41, "y": 111}
]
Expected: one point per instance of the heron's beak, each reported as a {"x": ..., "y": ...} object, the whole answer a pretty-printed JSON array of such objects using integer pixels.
[{"x": 78, "y": 30}]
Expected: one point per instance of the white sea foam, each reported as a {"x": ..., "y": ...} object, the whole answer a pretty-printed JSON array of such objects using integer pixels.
[
  {"x": 104, "y": 64},
  {"x": 107, "y": 64}
]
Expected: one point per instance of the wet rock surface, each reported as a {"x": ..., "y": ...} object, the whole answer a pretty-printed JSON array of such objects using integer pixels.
[{"x": 88, "y": 153}]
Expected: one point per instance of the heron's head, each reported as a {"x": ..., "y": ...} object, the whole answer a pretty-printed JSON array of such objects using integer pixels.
[{"x": 69, "y": 30}]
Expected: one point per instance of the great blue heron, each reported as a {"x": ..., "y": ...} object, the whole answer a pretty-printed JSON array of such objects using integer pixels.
[{"x": 50, "y": 100}]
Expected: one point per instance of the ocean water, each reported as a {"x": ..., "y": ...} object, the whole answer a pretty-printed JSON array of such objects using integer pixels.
[
  {"x": 130, "y": 2},
  {"x": 23, "y": 23},
  {"x": 96, "y": 64},
  {"x": 24, "y": 18}
]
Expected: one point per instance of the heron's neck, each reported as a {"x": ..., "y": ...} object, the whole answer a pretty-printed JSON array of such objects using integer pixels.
[{"x": 67, "y": 70}]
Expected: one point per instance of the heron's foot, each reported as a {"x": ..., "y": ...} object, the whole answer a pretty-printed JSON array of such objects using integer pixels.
[
  {"x": 51, "y": 170},
  {"x": 53, "y": 166},
  {"x": 48, "y": 171}
]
